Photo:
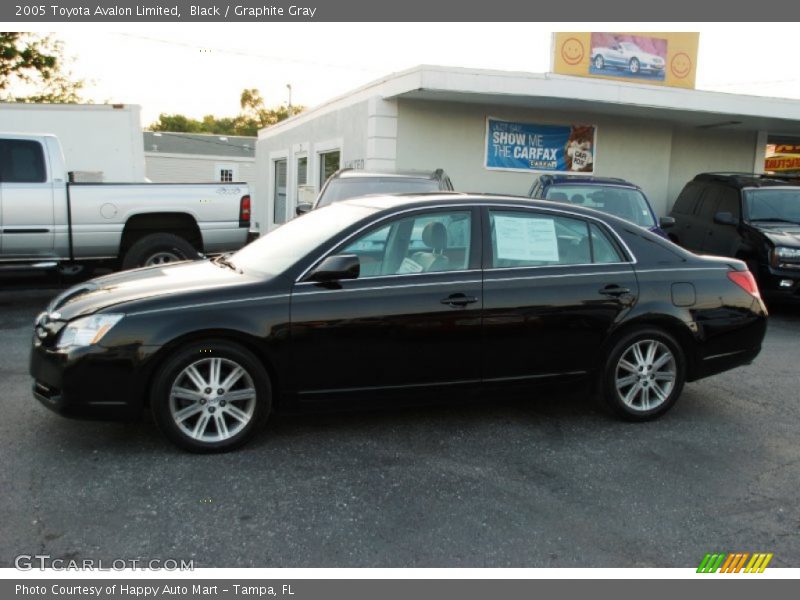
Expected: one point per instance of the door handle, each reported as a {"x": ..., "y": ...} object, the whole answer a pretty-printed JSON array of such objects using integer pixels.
[
  {"x": 614, "y": 291},
  {"x": 458, "y": 300}
]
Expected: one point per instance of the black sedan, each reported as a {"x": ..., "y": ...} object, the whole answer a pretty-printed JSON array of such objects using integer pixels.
[{"x": 397, "y": 298}]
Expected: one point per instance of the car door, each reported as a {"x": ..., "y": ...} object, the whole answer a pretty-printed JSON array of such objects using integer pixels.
[
  {"x": 26, "y": 200},
  {"x": 410, "y": 321},
  {"x": 554, "y": 285},
  {"x": 722, "y": 239}
]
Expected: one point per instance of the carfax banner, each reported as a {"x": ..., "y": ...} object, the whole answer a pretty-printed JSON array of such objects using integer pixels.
[{"x": 516, "y": 146}]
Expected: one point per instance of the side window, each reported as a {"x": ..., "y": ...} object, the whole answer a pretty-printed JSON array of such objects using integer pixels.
[
  {"x": 418, "y": 244},
  {"x": 729, "y": 202},
  {"x": 526, "y": 239},
  {"x": 688, "y": 199},
  {"x": 22, "y": 161},
  {"x": 603, "y": 249}
]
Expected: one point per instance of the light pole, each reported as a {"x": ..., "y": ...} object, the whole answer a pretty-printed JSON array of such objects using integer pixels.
[{"x": 289, "y": 87}]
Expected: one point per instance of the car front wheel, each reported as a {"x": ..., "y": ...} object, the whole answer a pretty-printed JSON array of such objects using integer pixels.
[
  {"x": 211, "y": 396},
  {"x": 634, "y": 66},
  {"x": 599, "y": 62},
  {"x": 644, "y": 374}
]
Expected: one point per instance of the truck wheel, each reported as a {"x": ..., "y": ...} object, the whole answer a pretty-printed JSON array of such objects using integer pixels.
[{"x": 158, "y": 249}]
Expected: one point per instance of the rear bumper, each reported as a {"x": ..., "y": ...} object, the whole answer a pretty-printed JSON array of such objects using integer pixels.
[{"x": 87, "y": 383}]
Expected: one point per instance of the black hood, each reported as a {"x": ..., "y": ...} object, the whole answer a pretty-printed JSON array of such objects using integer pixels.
[
  {"x": 142, "y": 284},
  {"x": 780, "y": 234}
]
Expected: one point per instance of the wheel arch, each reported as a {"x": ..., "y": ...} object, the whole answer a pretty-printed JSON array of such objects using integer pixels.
[
  {"x": 672, "y": 325},
  {"x": 246, "y": 340},
  {"x": 178, "y": 223}
]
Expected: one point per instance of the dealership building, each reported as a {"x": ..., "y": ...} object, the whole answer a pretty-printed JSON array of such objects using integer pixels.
[{"x": 464, "y": 121}]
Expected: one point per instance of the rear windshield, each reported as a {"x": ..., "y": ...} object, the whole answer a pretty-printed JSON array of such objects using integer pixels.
[
  {"x": 342, "y": 189},
  {"x": 626, "y": 203},
  {"x": 776, "y": 204}
]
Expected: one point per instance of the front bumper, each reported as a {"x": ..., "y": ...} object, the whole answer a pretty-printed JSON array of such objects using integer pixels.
[{"x": 90, "y": 383}]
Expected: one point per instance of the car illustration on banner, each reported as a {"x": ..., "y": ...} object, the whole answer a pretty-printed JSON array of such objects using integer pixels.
[{"x": 637, "y": 57}]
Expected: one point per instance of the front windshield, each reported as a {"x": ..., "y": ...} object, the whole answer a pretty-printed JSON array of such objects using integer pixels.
[
  {"x": 279, "y": 249},
  {"x": 626, "y": 203},
  {"x": 342, "y": 189},
  {"x": 776, "y": 204}
]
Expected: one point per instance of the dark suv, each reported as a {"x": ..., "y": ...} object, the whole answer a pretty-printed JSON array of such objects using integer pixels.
[
  {"x": 755, "y": 218},
  {"x": 351, "y": 183}
]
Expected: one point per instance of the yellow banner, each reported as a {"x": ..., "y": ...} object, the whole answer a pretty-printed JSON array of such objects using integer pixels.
[{"x": 651, "y": 58}]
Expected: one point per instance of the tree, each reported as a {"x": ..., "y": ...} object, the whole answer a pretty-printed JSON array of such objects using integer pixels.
[
  {"x": 33, "y": 69},
  {"x": 254, "y": 116}
]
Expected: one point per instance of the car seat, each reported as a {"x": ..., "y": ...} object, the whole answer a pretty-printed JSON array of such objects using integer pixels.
[
  {"x": 558, "y": 197},
  {"x": 434, "y": 236}
]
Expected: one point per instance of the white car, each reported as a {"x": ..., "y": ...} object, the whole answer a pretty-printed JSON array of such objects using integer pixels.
[{"x": 626, "y": 55}]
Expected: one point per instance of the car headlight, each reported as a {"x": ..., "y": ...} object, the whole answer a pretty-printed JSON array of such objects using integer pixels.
[
  {"x": 87, "y": 330},
  {"x": 790, "y": 253}
]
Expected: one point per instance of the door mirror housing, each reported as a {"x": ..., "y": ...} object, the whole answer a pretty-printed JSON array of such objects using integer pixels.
[
  {"x": 302, "y": 208},
  {"x": 666, "y": 222},
  {"x": 725, "y": 218},
  {"x": 337, "y": 267}
]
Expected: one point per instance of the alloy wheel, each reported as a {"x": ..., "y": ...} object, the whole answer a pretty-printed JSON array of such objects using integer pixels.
[
  {"x": 645, "y": 375},
  {"x": 212, "y": 399}
]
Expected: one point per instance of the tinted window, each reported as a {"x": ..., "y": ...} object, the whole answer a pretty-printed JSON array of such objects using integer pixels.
[
  {"x": 345, "y": 188},
  {"x": 626, "y": 203},
  {"x": 525, "y": 239},
  {"x": 729, "y": 202},
  {"x": 709, "y": 203},
  {"x": 418, "y": 244},
  {"x": 21, "y": 161},
  {"x": 687, "y": 200}
]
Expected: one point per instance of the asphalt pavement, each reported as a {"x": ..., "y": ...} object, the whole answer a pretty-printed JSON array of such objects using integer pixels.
[{"x": 540, "y": 481}]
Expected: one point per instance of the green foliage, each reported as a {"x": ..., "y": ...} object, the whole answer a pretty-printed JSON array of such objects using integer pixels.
[
  {"x": 32, "y": 69},
  {"x": 254, "y": 116}
]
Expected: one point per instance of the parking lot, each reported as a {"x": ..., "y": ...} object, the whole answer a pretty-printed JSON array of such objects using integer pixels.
[{"x": 508, "y": 482}]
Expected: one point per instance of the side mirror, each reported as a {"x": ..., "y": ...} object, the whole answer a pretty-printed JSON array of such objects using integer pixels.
[
  {"x": 336, "y": 267},
  {"x": 302, "y": 208},
  {"x": 666, "y": 222},
  {"x": 725, "y": 218}
]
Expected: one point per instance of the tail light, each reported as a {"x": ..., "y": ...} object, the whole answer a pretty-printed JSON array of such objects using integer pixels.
[
  {"x": 244, "y": 211},
  {"x": 746, "y": 281}
]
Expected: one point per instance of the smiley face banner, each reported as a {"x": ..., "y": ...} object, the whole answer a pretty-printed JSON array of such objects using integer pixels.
[{"x": 653, "y": 58}]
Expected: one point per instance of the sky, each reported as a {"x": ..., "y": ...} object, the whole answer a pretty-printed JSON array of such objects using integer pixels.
[{"x": 199, "y": 69}]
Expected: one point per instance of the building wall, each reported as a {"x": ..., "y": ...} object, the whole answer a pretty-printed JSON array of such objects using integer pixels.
[
  {"x": 649, "y": 153},
  {"x": 95, "y": 137},
  {"x": 344, "y": 130},
  {"x": 195, "y": 169},
  {"x": 695, "y": 151}
]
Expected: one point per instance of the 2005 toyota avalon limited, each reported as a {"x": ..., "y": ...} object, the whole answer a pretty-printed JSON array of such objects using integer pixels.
[{"x": 389, "y": 298}]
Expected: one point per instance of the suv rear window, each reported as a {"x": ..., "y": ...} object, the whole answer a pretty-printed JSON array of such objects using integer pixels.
[{"x": 343, "y": 189}]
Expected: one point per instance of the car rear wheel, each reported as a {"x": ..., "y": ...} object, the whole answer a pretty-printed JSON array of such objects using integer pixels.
[
  {"x": 211, "y": 396},
  {"x": 158, "y": 249},
  {"x": 599, "y": 62},
  {"x": 644, "y": 374}
]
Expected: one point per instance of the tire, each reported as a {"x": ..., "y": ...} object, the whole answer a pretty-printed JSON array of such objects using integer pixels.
[
  {"x": 633, "y": 66},
  {"x": 158, "y": 249},
  {"x": 599, "y": 62},
  {"x": 188, "y": 408},
  {"x": 658, "y": 388}
]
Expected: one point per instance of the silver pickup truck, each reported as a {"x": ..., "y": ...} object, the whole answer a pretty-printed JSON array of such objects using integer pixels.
[{"x": 47, "y": 221}]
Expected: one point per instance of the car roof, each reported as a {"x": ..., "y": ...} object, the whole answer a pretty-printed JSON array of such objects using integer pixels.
[
  {"x": 406, "y": 174},
  {"x": 423, "y": 200},
  {"x": 745, "y": 180},
  {"x": 572, "y": 179}
]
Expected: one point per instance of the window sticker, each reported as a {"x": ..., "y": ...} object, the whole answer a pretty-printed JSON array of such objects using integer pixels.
[
  {"x": 409, "y": 266},
  {"x": 526, "y": 239}
]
